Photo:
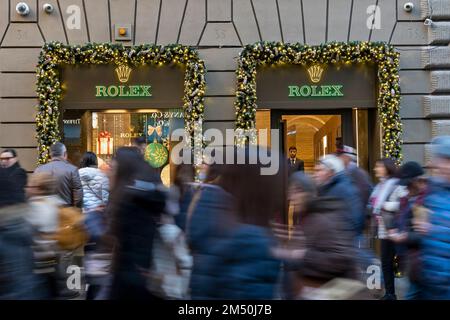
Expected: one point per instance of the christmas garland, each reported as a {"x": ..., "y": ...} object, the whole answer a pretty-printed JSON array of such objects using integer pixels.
[
  {"x": 273, "y": 53},
  {"x": 55, "y": 54}
]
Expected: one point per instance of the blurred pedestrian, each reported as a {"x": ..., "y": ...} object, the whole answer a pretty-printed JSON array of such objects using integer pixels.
[
  {"x": 44, "y": 218},
  {"x": 386, "y": 172},
  {"x": 10, "y": 163},
  {"x": 70, "y": 190},
  {"x": 17, "y": 280},
  {"x": 432, "y": 221},
  {"x": 358, "y": 176},
  {"x": 242, "y": 264},
  {"x": 137, "y": 199},
  {"x": 328, "y": 250},
  {"x": 408, "y": 241},
  {"x": 209, "y": 220},
  {"x": 332, "y": 181},
  {"x": 67, "y": 177}
]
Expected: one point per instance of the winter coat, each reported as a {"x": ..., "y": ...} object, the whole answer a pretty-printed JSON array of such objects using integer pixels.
[
  {"x": 95, "y": 187},
  {"x": 435, "y": 245},
  {"x": 379, "y": 197},
  {"x": 135, "y": 226},
  {"x": 361, "y": 181},
  {"x": 330, "y": 250},
  {"x": 208, "y": 224},
  {"x": 244, "y": 268},
  {"x": 17, "y": 180},
  {"x": 17, "y": 280},
  {"x": 341, "y": 187},
  {"x": 68, "y": 180}
]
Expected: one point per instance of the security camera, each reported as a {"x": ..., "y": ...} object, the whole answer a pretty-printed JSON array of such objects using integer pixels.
[
  {"x": 428, "y": 22},
  {"x": 22, "y": 8},
  {"x": 48, "y": 7},
  {"x": 408, "y": 7}
]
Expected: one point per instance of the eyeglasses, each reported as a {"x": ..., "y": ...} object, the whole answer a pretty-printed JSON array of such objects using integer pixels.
[{"x": 6, "y": 158}]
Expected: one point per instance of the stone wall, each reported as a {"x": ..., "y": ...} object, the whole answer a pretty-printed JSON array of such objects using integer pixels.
[{"x": 219, "y": 29}]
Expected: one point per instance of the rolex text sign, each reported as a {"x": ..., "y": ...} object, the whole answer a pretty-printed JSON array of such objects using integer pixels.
[
  {"x": 123, "y": 75},
  {"x": 125, "y": 87},
  {"x": 140, "y": 91},
  {"x": 316, "y": 86},
  {"x": 316, "y": 91}
]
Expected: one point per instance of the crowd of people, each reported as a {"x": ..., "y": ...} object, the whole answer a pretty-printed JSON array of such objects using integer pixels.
[{"x": 220, "y": 231}]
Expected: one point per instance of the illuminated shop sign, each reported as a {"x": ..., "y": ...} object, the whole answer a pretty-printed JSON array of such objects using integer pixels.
[
  {"x": 123, "y": 91},
  {"x": 316, "y": 91},
  {"x": 133, "y": 91},
  {"x": 315, "y": 74}
]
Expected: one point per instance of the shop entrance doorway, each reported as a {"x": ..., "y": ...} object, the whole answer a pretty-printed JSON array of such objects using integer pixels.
[{"x": 316, "y": 133}]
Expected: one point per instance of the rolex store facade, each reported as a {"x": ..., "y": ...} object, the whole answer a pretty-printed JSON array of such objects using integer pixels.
[{"x": 300, "y": 61}]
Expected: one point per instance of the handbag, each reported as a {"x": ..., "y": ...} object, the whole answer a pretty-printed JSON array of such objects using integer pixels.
[{"x": 171, "y": 264}]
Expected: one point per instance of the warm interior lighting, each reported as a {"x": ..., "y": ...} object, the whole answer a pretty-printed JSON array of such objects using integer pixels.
[
  {"x": 122, "y": 31},
  {"x": 116, "y": 111},
  {"x": 146, "y": 110}
]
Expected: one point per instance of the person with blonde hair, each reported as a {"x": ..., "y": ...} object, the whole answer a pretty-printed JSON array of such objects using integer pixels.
[
  {"x": 44, "y": 202},
  {"x": 43, "y": 217}
]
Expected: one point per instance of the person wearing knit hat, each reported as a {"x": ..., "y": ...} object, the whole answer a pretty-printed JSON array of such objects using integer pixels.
[
  {"x": 359, "y": 177},
  {"x": 332, "y": 181}
]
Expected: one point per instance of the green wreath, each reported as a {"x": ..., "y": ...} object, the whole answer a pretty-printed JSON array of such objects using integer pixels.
[
  {"x": 54, "y": 54},
  {"x": 272, "y": 53}
]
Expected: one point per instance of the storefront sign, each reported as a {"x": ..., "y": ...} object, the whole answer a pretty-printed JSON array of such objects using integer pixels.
[
  {"x": 316, "y": 86},
  {"x": 123, "y": 91},
  {"x": 170, "y": 114},
  {"x": 316, "y": 91},
  {"x": 71, "y": 121},
  {"x": 108, "y": 86}
]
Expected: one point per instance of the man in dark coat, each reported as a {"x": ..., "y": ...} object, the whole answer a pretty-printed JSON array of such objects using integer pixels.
[
  {"x": 295, "y": 164},
  {"x": 16, "y": 174}
]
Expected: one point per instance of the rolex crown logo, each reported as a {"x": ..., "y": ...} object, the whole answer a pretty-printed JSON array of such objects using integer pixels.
[
  {"x": 315, "y": 73},
  {"x": 123, "y": 73}
]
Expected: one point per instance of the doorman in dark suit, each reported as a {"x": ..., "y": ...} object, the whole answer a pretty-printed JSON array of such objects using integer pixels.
[{"x": 294, "y": 163}]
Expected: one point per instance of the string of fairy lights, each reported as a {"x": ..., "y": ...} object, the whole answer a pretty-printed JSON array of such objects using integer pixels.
[
  {"x": 56, "y": 54},
  {"x": 278, "y": 53}
]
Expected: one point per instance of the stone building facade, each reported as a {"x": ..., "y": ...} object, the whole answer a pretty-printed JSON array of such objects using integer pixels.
[{"x": 219, "y": 29}]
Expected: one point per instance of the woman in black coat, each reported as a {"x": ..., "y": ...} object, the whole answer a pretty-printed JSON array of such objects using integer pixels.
[{"x": 137, "y": 201}]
